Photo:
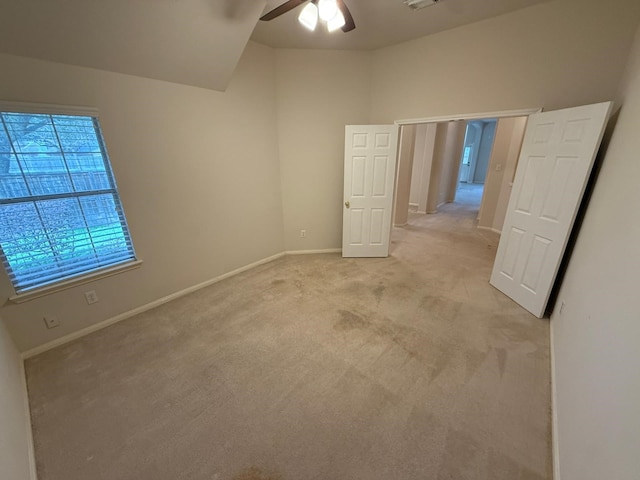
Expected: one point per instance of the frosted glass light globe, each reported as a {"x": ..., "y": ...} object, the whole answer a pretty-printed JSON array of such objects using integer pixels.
[
  {"x": 309, "y": 16},
  {"x": 327, "y": 9}
]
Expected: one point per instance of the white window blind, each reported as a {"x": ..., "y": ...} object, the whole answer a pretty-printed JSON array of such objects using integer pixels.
[{"x": 60, "y": 213}]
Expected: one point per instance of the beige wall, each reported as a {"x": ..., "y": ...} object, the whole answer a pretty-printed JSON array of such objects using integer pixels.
[
  {"x": 449, "y": 141},
  {"x": 439, "y": 153},
  {"x": 451, "y": 167},
  {"x": 212, "y": 181},
  {"x": 14, "y": 424},
  {"x": 596, "y": 338},
  {"x": 557, "y": 54},
  {"x": 560, "y": 53},
  {"x": 406, "y": 153},
  {"x": 319, "y": 92},
  {"x": 421, "y": 171},
  {"x": 502, "y": 164},
  {"x": 198, "y": 174},
  {"x": 417, "y": 169},
  {"x": 509, "y": 170}
]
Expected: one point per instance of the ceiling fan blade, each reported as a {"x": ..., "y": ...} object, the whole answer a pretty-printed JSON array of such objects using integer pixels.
[
  {"x": 284, "y": 8},
  {"x": 348, "y": 19}
]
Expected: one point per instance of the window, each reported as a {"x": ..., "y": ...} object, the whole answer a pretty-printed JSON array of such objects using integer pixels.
[
  {"x": 466, "y": 156},
  {"x": 60, "y": 214}
]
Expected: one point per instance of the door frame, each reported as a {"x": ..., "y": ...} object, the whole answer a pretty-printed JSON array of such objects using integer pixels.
[{"x": 522, "y": 112}]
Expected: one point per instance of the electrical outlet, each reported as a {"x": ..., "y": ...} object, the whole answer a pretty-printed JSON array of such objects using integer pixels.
[
  {"x": 51, "y": 322},
  {"x": 498, "y": 167},
  {"x": 91, "y": 296},
  {"x": 303, "y": 233}
]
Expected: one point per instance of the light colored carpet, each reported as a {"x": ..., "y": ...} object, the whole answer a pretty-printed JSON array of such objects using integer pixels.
[{"x": 311, "y": 367}]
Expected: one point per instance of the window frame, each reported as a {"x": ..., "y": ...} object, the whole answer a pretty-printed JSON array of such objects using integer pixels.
[{"x": 83, "y": 278}]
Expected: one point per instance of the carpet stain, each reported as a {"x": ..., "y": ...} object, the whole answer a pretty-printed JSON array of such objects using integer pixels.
[
  {"x": 502, "y": 360},
  {"x": 461, "y": 457},
  {"x": 378, "y": 292},
  {"x": 254, "y": 473},
  {"x": 473, "y": 360},
  {"x": 415, "y": 344},
  {"x": 277, "y": 281},
  {"x": 350, "y": 321},
  {"x": 443, "y": 308}
]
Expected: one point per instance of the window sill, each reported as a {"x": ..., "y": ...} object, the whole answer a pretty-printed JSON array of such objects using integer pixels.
[{"x": 64, "y": 285}]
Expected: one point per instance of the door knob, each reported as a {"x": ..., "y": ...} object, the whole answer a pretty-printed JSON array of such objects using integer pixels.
[{"x": 347, "y": 204}]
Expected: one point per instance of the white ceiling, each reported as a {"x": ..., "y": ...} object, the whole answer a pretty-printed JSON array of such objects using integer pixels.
[
  {"x": 199, "y": 42},
  {"x": 380, "y": 23}
]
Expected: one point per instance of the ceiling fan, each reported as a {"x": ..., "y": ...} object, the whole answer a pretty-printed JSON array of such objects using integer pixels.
[{"x": 334, "y": 12}]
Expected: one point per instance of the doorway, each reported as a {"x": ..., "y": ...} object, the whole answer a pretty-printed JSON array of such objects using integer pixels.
[
  {"x": 455, "y": 161},
  {"x": 474, "y": 162},
  {"x": 555, "y": 143}
]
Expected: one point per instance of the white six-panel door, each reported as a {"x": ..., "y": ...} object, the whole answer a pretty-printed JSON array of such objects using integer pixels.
[
  {"x": 369, "y": 174},
  {"x": 557, "y": 154}
]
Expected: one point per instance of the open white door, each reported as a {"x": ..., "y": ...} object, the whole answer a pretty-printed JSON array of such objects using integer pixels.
[
  {"x": 557, "y": 154},
  {"x": 369, "y": 173}
]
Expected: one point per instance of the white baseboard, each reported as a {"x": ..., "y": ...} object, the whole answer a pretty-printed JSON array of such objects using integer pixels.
[
  {"x": 156, "y": 303},
  {"x": 554, "y": 412},
  {"x": 33, "y": 473},
  {"x": 494, "y": 230},
  {"x": 312, "y": 252}
]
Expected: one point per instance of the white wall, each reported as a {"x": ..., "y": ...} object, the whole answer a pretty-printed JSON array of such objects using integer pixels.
[
  {"x": 556, "y": 54},
  {"x": 14, "y": 424},
  {"x": 198, "y": 173},
  {"x": 319, "y": 92},
  {"x": 596, "y": 338}
]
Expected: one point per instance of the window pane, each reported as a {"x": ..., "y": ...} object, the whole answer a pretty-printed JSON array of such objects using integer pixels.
[
  {"x": 5, "y": 144},
  {"x": 52, "y": 224},
  {"x": 76, "y": 134},
  {"x": 103, "y": 223},
  {"x": 31, "y": 133},
  {"x": 88, "y": 172},
  {"x": 25, "y": 243},
  {"x": 12, "y": 184},
  {"x": 46, "y": 174}
]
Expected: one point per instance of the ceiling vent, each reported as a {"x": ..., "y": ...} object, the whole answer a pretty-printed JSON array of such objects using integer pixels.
[{"x": 418, "y": 4}]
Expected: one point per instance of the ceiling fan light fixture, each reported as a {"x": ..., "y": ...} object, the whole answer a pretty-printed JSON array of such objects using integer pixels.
[
  {"x": 418, "y": 4},
  {"x": 336, "y": 22},
  {"x": 327, "y": 9},
  {"x": 309, "y": 16}
]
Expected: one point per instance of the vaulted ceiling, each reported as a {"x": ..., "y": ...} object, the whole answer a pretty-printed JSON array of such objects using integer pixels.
[
  {"x": 194, "y": 42},
  {"x": 199, "y": 42}
]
